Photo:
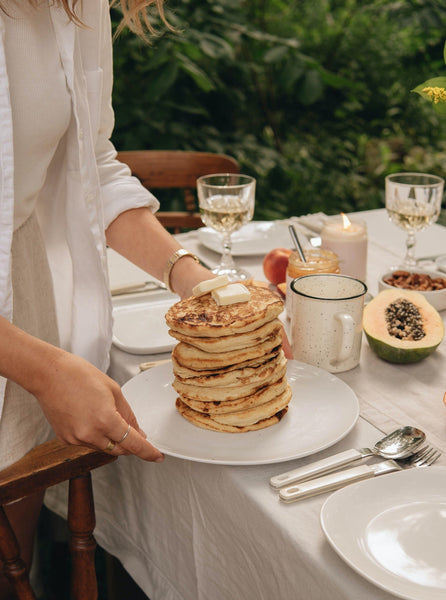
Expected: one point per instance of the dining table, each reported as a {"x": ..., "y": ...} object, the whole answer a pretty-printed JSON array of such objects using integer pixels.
[{"x": 194, "y": 528}]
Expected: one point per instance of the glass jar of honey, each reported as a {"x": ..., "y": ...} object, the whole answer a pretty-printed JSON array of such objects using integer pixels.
[{"x": 317, "y": 261}]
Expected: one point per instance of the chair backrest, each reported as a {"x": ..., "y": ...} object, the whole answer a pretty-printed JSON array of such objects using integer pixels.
[
  {"x": 177, "y": 169},
  {"x": 45, "y": 466}
]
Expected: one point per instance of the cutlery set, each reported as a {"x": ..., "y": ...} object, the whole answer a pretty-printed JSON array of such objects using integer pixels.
[{"x": 402, "y": 449}]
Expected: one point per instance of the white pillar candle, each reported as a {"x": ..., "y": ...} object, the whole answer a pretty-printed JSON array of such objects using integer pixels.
[{"x": 348, "y": 239}]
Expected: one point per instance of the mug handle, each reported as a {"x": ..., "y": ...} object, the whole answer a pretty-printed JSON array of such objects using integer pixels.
[{"x": 347, "y": 339}]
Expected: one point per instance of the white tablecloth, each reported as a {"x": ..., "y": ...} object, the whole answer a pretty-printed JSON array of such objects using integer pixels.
[{"x": 192, "y": 531}]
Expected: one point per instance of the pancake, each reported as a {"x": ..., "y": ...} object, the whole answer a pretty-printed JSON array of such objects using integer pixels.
[
  {"x": 206, "y": 422},
  {"x": 184, "y": 372},
  {"x": 250, "y": 416},
  {"x": 229, "y": 365},
  {"x": 198, "y": 359},
  {"x": 224, "y": 393},
  {"x": 202, "y": 317},
  {"x": 258, "y": 373},
  {"x": 263, "y": 395},
  {"x": 230, "y": 342}
]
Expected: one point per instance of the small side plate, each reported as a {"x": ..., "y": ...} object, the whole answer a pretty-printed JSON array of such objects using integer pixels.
[{"x": 139, "y": 324}]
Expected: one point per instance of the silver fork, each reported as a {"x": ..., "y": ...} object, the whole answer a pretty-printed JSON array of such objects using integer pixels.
[{"x": 423, "y": 458}]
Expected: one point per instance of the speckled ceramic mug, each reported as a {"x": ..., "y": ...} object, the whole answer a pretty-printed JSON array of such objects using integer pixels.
[{"x": 326, "y": 320}]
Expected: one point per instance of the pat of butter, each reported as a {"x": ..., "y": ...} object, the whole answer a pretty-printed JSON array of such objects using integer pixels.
[
  {"x": 231, "y": 294},
  {"x": 204, "y": 287}
]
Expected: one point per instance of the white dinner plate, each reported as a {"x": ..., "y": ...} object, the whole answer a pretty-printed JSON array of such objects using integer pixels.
[
  {"x": 392, "y": 531},
  {"x": 139, "y": 323},
  {"x": 323, "y": 409},
  {"x": 253, "y": 239}
]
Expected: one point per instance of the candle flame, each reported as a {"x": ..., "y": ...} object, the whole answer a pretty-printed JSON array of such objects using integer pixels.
[{"x": 346, "y": 221}]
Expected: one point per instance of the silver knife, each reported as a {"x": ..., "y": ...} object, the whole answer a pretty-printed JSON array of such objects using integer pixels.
[
  {"x": 335, "y": 481},
  {"x": 320, "y": 467},
  {"x": 135, "y": 288}
]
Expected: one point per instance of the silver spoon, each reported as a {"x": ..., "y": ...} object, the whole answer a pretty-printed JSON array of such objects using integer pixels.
[{"x": 398, "y": 444}]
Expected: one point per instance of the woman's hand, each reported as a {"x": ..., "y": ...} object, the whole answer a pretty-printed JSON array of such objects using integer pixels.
[
  {"x": 86, "y": 407},
  {"x": 82, "y": 404}
]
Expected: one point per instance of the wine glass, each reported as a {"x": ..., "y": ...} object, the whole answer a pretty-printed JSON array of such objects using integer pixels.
[
  {"x": 226, "y": 202},
  {"x": 413, "y": 202}
]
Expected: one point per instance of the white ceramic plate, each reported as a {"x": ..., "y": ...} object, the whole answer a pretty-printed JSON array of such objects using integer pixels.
[
  {"x": 139, "y": 324},
  {"x": 322, "y": 411},
  {"x": 254, "y": 239},
  {"x": 392, "y": 531}
]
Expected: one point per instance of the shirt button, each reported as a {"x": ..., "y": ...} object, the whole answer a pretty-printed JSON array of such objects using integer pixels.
[
  {"x": 81, "y": 134},
  {"x": 91, "y": 196}
]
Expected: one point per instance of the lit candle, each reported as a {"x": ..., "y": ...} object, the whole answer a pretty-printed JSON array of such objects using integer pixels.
[{"x": 347, "y": 239}]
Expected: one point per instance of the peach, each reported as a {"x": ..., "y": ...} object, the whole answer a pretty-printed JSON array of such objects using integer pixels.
[
  {"x": 281, "y": 288},
  {"x": 275, "y": 265}
]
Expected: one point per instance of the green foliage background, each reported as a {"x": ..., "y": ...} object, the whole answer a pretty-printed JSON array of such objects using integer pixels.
[{"x": 311, "y": 96}]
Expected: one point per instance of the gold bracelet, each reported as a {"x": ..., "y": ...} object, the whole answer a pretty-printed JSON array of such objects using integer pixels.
[{"x": 172, "y": 261}]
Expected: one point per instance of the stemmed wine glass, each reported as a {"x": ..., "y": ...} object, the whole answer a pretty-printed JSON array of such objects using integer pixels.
[
  {"x": 226, "y": 202},
  {"x": 413, "y": 202}
]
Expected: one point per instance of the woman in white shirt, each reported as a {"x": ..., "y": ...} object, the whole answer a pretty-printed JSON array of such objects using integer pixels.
[{"x": 63, "y": 196}]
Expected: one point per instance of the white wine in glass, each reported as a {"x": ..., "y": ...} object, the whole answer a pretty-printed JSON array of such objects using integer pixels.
[
  {"x": 413, "y": 202},
  {"x": 226, "y": 202}
]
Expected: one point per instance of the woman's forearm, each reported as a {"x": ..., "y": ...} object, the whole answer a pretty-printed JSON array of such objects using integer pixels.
[
  {"x": 138, "y": 235},
  {"x": 24, "y": 358}
]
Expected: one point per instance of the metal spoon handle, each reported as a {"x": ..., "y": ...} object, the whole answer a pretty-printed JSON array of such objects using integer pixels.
[
  {"x": 326, "y": 465},
  {"x": 295, "y": 238}
]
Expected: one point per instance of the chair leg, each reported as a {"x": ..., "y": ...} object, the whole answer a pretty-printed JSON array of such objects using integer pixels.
[
  {"x": 81, "y": 523},
  {"x": 13, "y": 566}
]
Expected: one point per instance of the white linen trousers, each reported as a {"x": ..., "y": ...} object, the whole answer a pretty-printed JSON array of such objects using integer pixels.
[{"x": 23, "y": 424}]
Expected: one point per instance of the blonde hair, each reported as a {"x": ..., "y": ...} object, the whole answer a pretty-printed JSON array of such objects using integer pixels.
[{"x": 134, "y": 13}]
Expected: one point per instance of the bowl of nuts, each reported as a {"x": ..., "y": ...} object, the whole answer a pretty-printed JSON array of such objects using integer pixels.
[{"x": 431, "y": 284}]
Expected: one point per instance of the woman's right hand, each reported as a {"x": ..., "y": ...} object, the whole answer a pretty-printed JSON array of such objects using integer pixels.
[
  {"x": 83, "y": 405},
  {"x": 86, "y": 407}
]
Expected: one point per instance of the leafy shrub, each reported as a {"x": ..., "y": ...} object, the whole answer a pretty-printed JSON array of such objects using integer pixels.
[{"x": 312, "y": 97}]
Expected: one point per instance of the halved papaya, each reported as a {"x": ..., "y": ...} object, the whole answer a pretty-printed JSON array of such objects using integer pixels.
[{"x": 401, "y": 326}]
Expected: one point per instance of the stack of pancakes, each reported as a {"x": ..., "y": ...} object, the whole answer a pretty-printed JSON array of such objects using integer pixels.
[{"x": 229, "y": 366}]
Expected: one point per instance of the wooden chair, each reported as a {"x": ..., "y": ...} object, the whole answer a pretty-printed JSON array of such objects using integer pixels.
[
  {"x": 45, "y": 466},
  {"x": 177, "y": 169}
]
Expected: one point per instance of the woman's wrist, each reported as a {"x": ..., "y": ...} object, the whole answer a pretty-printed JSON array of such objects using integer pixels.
[
  {"x": 176, "y": 256},
  {"x": 185, "y": 275}
]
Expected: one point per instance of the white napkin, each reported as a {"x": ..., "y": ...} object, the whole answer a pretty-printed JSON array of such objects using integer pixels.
[
  {"x": 308, "y": 227},
  {"x": 314, "y": 222},
  {"x": 126, "y": 277}
]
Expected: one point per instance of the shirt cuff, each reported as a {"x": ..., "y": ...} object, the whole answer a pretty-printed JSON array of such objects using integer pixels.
[{"x": 125, "y": 196}]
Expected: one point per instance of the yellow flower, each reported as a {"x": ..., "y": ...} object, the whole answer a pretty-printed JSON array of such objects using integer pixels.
[{"x": 436, "y": 94}]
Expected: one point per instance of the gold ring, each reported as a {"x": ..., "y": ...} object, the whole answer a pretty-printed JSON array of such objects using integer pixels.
[
  {"x": 110, "y": 446},
  {"x": 125, "y": 435}
]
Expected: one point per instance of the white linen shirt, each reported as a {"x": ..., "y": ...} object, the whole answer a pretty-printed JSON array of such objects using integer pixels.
[{"x": 85, "y": 190}]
